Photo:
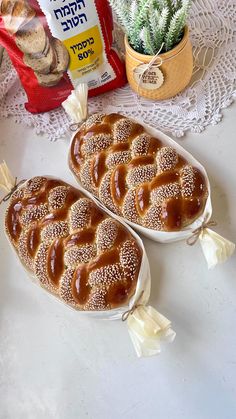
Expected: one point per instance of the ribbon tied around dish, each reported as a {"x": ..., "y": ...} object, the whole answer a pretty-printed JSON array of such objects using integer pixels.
[
  {"x": 216, "y": 248},
  {"x": 76, "y": 105},
  {"x": 7, "y": 182},
  {"x": 147, "y": 328}
]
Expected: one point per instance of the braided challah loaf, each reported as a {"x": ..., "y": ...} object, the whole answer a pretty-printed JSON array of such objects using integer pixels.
[
  {"x": 76, "y": 251},
  {"x": 135, "y": 175}
]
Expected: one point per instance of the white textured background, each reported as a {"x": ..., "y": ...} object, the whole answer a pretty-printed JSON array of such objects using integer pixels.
[{"x": 55, "y": 364}]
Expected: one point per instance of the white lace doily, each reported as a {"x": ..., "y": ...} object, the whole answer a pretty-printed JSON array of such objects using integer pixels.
[{"x": 212, "y": 26}]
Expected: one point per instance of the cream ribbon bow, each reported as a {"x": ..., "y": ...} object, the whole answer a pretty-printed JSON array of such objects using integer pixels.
[
  {"x": 216, "y": 248},
  {"x": 7, "y": 182},
  {"x": 147, "y": 328},
  {"x": 76, "y": 105}
]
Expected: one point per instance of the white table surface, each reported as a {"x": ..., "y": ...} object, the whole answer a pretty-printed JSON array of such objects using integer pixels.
[{"x": 55, "y": 363}]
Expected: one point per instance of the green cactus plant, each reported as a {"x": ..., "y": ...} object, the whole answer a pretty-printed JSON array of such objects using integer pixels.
[{"x": 152, "y": 25}]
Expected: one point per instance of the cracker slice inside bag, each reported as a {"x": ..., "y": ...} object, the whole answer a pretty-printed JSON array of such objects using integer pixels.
[{"x": 146, "y": 327}]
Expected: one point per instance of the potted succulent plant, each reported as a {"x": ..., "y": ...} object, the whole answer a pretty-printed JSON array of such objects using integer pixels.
[{"x": 159, "y": 60}]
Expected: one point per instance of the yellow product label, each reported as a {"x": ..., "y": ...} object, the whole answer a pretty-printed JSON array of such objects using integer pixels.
[{"x": 86, "y": 52}]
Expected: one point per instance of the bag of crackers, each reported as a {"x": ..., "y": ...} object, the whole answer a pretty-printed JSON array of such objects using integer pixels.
[{"x": 57, "y": 44}]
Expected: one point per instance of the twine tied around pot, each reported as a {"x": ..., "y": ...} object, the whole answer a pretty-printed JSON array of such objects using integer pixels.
[
  {"x": 166, "y": 75},
  {"x": 151, "y": 64}
]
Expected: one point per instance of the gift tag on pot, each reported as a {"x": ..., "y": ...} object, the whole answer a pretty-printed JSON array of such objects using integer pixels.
[{"x": 148, "y": 78}]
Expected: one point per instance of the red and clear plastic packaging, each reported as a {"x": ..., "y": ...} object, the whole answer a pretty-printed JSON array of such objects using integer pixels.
[{"x": 55, "y": 45}]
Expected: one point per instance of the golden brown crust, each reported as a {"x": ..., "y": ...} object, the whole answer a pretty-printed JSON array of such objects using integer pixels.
[
  {"x": 76, "y": 251},
  {"x": 136, "y": 175}
]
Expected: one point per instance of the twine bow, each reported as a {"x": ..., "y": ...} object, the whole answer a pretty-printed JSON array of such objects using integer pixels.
[
  {"x": 127, "y": 313},
  {"x": 152, "y": 63},
  {"x": 76, "y": 125},
  {"x": 196, "y": 233},
  {"x": 14, "y": 188}
]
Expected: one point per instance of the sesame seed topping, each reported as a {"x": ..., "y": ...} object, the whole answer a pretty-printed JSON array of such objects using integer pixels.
[
  {"x": 120, "y": 157},
  {"x": 40, "y": 264},
  {"x": 96, "y": 300},
  {"x": 152, "y": 218},
  {"x": 96, "y": 143},
  {"x": 129, "y": 258},
  {"x": 80, "y": 214},
  {"x": 129, "y": 206},
  {"x": 79, "y": 254},
  {"x": 187, "y": 179},
  {"x": 140, "y": 145},
  {"x": 167, "y": 158},
  {"x": 160, "y": 194},
  {"x": 35, "y": 184},
  {"x": 36, "y": 212},
  {"x": 54, "y": 231},
  {"x": 18, "y": 193},
  {"x": 86, "y": 176},
  {"x": 57, "y": 197},
  {"x": 107, "y": 232},
  {"x": 96, "y": 118},
  {"x": 106, "y": 275},
  {"x": 141, "y": 174},
  {"x": 65, "y": 289},
  {"x": 122, "y": 130}
]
